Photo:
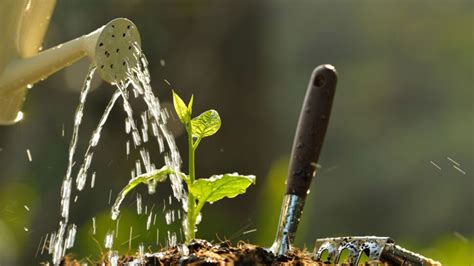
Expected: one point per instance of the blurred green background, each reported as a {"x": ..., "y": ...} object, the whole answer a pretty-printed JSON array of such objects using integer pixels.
[{"x": 404, "y": 100}]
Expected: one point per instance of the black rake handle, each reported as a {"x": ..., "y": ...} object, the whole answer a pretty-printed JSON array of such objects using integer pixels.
[{"x": 311, "y": 129}]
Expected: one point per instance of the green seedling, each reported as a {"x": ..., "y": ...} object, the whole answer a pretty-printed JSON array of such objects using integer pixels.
[{"x": 202, "y": 190}]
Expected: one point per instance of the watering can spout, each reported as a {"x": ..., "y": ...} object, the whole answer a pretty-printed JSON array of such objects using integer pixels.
[
  {"x": 23, "y": 72},
  {"x": 112, "y": 48}
]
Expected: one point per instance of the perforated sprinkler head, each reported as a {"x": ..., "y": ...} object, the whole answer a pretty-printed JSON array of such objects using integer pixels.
[{"x": 117, "y": 49}]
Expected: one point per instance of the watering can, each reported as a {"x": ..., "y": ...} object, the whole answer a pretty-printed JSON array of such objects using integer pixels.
[{"x": 23, "y": 24}]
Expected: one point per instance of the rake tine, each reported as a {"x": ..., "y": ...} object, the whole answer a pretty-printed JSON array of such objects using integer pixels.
[
  {"x": 330, "y": 247},
  {"x": 353, "y": 252}
]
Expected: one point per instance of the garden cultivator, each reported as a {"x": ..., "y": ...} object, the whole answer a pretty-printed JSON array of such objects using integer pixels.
[
  {"x": 375, "y": 249},
  {"x": 309, "y": 138}
]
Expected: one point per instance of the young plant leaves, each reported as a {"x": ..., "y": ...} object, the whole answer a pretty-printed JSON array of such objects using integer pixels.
[
  {"x": 190, "y": 105},
  {"x": 183, "y": 111},
  {"x": 201, "y": 190},
  {"x": 206, "y": 124},
  {"x": 219, "y": 186}
]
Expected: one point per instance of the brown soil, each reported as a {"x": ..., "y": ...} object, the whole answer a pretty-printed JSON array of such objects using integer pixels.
[{"x": 202, "y": 252}]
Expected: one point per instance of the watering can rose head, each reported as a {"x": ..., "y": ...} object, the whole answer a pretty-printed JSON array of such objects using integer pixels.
[
  {"x": 200, "y": 191},
  {"x": 117, "y": 50}
]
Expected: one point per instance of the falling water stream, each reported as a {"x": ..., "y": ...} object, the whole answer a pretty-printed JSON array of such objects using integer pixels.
[{"x": 154, "y": 118}]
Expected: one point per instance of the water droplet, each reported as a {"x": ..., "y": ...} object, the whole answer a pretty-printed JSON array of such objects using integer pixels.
[
  {"x": 93, "y": 225},
  {"x": 93, "y": 180},
  {"x": 148, "y": 222},
  {"x": 139, "y": 203},
  {"x": 19, "y": 117},
  {"x": 28, "y": 153}
]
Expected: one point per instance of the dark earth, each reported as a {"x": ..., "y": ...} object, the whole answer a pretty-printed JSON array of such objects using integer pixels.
[{"x": 202, "y": 252}]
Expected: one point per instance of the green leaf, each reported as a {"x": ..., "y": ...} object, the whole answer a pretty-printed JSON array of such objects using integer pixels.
[
  {"x": 182, "y": 110},
  {"x": 158, "y": 175},
  {"x": 220, "y": 186},
  {"x": 190, "y": 105},
  {"x": 206, "y": 124}
]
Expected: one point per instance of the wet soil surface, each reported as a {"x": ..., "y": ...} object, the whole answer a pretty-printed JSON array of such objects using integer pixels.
[{"x": 201, "y": 252}]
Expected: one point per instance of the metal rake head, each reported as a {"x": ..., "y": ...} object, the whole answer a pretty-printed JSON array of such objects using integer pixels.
[{"x": 377, "y": 250}]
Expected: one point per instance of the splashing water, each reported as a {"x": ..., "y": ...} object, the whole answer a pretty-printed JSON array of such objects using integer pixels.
[
  {"x": 93, "y": 226},
  {"x": 66, "y": 187},
  {"x": 139, "y": 204},
  {"x": 113, "y": 257},
  {"x": 71, "y": 236},
  {"x": 172, "y": 239},
  {"x": 109, "y": 240},
  {"x": 139, "y": 78},
  {"x": 82, "y": 175},
  {"x": 139, "y": 81},
  {"x": 148, "y": 221},
  {"x": 57, "y": 247},
  {"x": 141, "y": 253}
]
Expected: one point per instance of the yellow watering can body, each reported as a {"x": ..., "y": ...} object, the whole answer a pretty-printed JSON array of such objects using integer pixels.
[{"x": 23, "y": 24}]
